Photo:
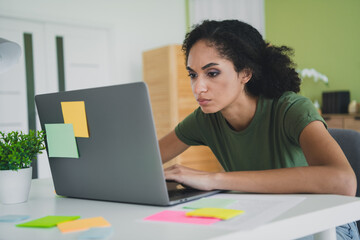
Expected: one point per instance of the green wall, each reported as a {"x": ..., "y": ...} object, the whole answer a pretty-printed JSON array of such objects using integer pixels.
[{"x": 325, "y": 35}]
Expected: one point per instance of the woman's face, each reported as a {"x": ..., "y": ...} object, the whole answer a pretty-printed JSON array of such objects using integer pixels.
[{"x": 215, "y": 83}]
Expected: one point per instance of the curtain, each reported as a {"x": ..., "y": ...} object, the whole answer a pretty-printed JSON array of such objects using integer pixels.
[{"x": 249, "y": 11}]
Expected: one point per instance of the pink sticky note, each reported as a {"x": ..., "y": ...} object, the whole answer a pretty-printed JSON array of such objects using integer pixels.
[{"x": 180, "y": 217}]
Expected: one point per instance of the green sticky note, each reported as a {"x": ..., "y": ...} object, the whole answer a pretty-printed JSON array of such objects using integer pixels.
[
  {"x": 210, "y": 203},
  {"x": 48, "y": 221},
  {"x": 61, "y": 141}
]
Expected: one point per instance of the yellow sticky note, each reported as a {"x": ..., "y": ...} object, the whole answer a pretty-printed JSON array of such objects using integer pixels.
[
  {"x": 83, "y": 224},
  {"x": 220, "y": 213},
  {"x": 74, "y": 113}
]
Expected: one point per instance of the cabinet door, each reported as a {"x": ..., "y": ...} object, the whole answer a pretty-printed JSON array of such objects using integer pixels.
[
  {"x": 198, "y": 157},
  {"x": 13, "y": 107},
  {"x": 352, "y": 123},
  {"x": 15, "y": 83},
  {"x": 84, "y": 53},
  {"x": 334, "y": 122}
]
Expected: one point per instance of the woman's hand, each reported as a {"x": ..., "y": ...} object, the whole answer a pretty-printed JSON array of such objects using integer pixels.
[{"x": 190, "y": 177}]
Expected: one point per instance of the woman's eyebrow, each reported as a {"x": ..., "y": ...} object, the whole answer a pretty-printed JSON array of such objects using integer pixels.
[
  {"x": 203, "y": 68},
  {"x": 189, "y": 69},
  {"x": 209, "y": 65}
]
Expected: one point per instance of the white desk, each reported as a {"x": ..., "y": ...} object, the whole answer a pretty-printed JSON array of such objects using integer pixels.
[{"x": 317, "y": 214}]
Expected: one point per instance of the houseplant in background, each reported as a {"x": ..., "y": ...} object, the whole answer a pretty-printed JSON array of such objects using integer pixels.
[
  {"x": 316, "y": 77},
  {"x": 17, "y": 149}
]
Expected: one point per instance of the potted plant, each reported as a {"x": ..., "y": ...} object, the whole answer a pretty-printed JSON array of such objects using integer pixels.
[{"x": 17, "y": 149}]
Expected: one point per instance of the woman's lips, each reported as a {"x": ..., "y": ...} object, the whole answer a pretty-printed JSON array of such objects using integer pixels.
[{"x": 203, "y": 101}]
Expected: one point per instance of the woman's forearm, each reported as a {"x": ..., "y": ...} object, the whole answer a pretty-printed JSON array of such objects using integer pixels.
[
  {"x": 171, "y": 146},
  {"x": 312, "y": 179}
]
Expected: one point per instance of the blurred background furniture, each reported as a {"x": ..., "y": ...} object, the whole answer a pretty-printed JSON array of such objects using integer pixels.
[
  {"x": 343, "y": 121},
  {"x": 349, "y": 141}
]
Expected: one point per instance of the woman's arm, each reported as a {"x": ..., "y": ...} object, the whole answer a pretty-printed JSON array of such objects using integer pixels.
[
  {"x": 171, "y": 146},
  {"x": 328, "y": 171}
]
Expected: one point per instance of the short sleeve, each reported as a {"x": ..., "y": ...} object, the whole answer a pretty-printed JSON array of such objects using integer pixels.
[
  {"x": 299, "y": 114},
  {"x": 189, "y": 130}
]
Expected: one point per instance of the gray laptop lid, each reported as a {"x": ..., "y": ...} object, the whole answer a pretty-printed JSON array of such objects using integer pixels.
[
  {"x": 120, "y": 161},
  {"x": 122, "y": 146}
]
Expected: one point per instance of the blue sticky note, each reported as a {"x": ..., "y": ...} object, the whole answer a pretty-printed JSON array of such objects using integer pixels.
[
  {"x": 97, "y": 233},
  {"x": 61, "y": 141},
  {"x": 13, "y": 218}
]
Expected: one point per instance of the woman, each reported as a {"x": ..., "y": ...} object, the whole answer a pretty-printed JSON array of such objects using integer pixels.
[{"x": 267, "y": 138}]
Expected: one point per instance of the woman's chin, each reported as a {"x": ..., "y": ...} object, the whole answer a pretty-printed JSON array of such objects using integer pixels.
[{"x": 208, "y": 110}]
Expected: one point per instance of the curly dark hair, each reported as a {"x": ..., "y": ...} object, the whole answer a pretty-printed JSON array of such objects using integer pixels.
[{"x": 273, "y": 72}]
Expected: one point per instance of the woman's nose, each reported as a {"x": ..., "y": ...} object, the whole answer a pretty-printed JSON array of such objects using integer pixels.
[{"x": 199, "y": 86}]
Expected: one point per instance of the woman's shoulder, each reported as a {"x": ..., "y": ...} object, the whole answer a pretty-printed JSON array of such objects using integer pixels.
[{"x": 290, "y": 98}]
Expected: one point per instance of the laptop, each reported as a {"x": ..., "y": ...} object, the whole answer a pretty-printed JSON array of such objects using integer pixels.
[{"x": 119, "y": 160}]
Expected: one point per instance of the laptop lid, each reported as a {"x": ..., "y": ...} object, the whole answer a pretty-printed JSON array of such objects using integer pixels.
[{"x": 120, "y": 159}]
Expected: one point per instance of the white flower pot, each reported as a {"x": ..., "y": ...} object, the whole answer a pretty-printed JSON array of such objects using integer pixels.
[{"x": 15, "y": 185}]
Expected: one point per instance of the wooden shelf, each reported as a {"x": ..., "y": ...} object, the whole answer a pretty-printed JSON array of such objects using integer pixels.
[{"x": 172, "y": 100}]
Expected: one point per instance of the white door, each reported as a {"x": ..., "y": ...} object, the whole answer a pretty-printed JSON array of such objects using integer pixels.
[
  {"x": 85, "y": 62},
  {"x": 13, "y": 91},
  {"x": 85, "y": 54}
]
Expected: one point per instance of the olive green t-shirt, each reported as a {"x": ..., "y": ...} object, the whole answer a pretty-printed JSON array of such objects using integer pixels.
[{"x": 270, "y": 141}]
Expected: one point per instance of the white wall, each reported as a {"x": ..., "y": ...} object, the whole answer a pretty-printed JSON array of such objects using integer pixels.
[{"x": 135, "y": 25}]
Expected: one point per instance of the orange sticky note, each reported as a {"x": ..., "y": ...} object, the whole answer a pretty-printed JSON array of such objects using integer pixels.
[
  {"x": 74, "y": 113},
  {"x": 83, "y": 224}
]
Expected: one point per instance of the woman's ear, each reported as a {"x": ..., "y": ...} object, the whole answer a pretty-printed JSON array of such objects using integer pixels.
[{"x": 245, "y": 75}]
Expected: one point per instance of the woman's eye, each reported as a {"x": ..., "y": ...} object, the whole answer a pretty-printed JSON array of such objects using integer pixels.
[
  {"x": 192, "y": 75},
  {"x": 213, "y": 74}
]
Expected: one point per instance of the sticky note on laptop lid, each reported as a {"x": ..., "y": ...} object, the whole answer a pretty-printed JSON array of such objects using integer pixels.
[
  {"x": 61, "y": 140},
  {"x": 75, "y": 113}
]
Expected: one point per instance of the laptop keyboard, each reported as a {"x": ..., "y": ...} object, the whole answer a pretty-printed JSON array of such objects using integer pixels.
[{"x": 183, "y": 193}]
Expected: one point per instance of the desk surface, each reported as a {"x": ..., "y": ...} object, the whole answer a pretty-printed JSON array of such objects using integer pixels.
[{"x": 316, "y": 213}]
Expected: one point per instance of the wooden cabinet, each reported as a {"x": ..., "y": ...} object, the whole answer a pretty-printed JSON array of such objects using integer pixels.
[
  {"x": 172, "y": 100},
  {"x": 345, "y": 121}
]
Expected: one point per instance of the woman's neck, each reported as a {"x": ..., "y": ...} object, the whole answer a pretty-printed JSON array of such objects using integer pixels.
[{"x": 241, "y": 112}]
